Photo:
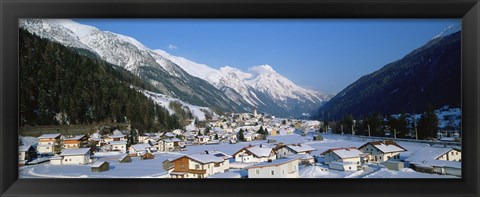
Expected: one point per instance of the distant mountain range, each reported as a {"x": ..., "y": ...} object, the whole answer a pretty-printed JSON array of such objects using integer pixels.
[
  {"x": 227, "y": 89},
  {"x": 430, "y": 74}
]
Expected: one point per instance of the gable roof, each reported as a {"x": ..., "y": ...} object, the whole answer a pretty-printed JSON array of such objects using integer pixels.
[
  {"x": 345, "y": 153},
  {"x": 429, "y": 153},
  {"x": 77, "y": 137},
  {"x": 256, "y": 151},
  {"x": 202, "y": 158},
  {"x": 139, "y": 147},
  {"x": 118, "y": 142},
  {"x": 76, "y": 151},
  {"x": 388, "y": 146},
  {"x": 300, "y": 148},
  {"x": 24, "y": 148},
  {"x": 48, "y": 136}
]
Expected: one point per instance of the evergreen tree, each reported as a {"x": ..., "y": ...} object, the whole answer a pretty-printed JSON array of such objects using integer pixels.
[
  {"x": 428, "y": 124},
  {"x": 241, "y": 136},
  {"x": 216, "y": 136}
]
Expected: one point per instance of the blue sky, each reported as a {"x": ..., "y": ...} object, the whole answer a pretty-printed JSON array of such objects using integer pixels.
[{"x": 321, "y": 54}]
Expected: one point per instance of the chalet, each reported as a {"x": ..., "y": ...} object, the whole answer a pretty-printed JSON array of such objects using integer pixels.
[
  {"x": 168, "y": 135},
  {"x": 72, "y": 156},
  {"x": 120, "y": 146},
  {"x": 78, "y": 141},
  {"x": 351, "y": 155},
  {"x": 49, "y": 144},
  {"x": 440, "y": 160},
  {"x": 100, "y": 166},
  {"x": 198, "y": 166},
  {"x": 254, "y": 154},
  {"x": 177, "y": 132},
  {"x": 381, "y": 151},
  {"x": 138, "y": 149},
  {"x": 302, "y": 149},
  {"x": 286, "y": 167},
  {"x": 115, "y": 137},
  {"x": 26, "y": 154},
  {"x": 96, "y": 140},
  {"x": 167, "y": 145},
  {"x": 144, "y": 137},
  {"x": 249, "y": 137}
]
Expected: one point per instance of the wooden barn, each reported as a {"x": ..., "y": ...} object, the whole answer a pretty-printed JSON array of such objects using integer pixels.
[
  {"x": 100, "y": 166},
  {"x": 146, "y": 156},
  {"x": 125, "y": 159}
]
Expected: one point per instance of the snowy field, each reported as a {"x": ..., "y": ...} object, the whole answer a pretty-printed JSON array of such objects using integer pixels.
[{"x": 153, "y": 168}]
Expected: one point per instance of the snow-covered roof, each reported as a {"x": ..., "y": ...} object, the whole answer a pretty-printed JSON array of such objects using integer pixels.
[
  {"x": 257, "y": 150},
  {"x": 429, "y": 153},
  {"x": 172, "y": 140},
  {"x": 439, "y": 163},
  {"x": 301, "y": 148},
  {"x": 24, "y": 148},
  {"x": 96, "y": 139},
  {"x": 343, "y": 163},
  {"x": 97, "y": 164},
  {"x": 118, "y": 143},
  {"x": 48, "y": 136},
  {"x": 276, "y": 162},
  {"x": 76, "y": 151},
  {"x": 345, "y": 152},
  {"x": 203, "y": 136},
  {"x": 116, "y": 136},
  {"x": 140, "y": 147},
  {"x": 77, "y": 137},
  {"x": 217, "y": 153},
  {"x": 205, "y": 158},
  {"x": 386, "y": 146},
  {"x": 225, "y": 175}
]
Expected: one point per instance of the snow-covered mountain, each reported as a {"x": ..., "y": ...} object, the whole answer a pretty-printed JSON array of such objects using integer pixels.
[
  {"x": 227, "y": 89},
  {"x": 259, "y": 86}
]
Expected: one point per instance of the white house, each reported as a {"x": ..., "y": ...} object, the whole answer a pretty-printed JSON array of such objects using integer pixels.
[
  {"x": 302, "y": 149},
  {"x": 80, "y": 156},
  {"x": 167, "y": 145},
  {"x": 351, "y": 155},
  {"x": 381, "y": 151},
  {"x": 254, "y": 154},
  {"x": 139, "y": 149},
  {"x": 115, "y": 137},
  {"x": 199, "y": 165},
  {"x": 49, "y": 143},
  {"x": 119, "y": 146},
  {"x": 286, "y": 167}
]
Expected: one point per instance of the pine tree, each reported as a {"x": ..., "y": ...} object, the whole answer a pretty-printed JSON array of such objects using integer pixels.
[
  {"x": 241, "y": 136},
  {"x": 428, "y": 124}
]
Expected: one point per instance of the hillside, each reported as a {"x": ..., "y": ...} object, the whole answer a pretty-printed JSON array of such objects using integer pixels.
[
  {"x": 59, "y": 85},
  {"x": 430, "y": 74}
]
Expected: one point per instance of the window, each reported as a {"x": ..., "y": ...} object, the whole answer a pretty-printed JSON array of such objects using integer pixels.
[
  {"x": 197, "y": 166},
  {"x": 456, "y": 153},
  {"x": 257, "y": 171},
  {"x": 388, "y": 157},
  {"x": 272, "y": 172},
  {"x": 350, "y": 168},
  {"x": 452, "y": 153},
  {"x": 283, "y": 171}
]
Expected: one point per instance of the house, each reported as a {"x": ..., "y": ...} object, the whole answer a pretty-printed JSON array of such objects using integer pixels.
[
  {"x": 318, "y": 138},
  {"x": 200, "y": 165},
  {"x": 440, "y": 160},
  {"x": 49, "y": 144},
  {"x": 115, "y": 137},
  {"x": 351, "y": 155},
  {"x": 202, "y": 139},
  {"x": 167, "y": 165},
  {"x": 96, "y": 140},
  {"x": 381, "y": 151},
  {"x": 254, "y": 154},
  {"x": 138, "y": 149},
  {"x": 80, "y": 156},
  {"x": 286, "y": 167},
  {"x": 249, "y": 137},
  {"x": 302, "y": 149},
  {"x": 120, "y": 146},
  {"x": 78, "y": 141},
  {"x": 170, "y": 144},
  {"x": 100, "y": 166},
  {"x": 26, "y": 154},
  {"x": 177, "y": 132}
]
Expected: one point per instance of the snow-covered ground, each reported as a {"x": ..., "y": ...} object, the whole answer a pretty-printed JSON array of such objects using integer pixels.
[{"x": 153, "y": 168}]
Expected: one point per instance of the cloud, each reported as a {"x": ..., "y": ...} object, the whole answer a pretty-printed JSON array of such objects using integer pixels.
[{"x": 172, "y": 47}]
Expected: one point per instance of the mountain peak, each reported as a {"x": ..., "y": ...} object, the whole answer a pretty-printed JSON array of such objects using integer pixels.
[{"x": 264, "y": 69}]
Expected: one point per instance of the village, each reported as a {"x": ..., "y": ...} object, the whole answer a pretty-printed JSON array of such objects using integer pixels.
[{"x": 245, "y": 145}]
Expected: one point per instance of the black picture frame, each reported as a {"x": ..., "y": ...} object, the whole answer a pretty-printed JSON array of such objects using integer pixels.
[{"x": 12, "y": 10}]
